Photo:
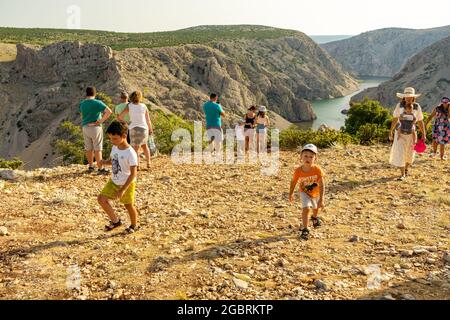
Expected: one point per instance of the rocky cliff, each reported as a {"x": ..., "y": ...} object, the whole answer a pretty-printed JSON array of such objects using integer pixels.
[
  {"x": 383, "y": 52},
  {"x": 428, "y": 72},
  {"x": 44, "y": 86}
]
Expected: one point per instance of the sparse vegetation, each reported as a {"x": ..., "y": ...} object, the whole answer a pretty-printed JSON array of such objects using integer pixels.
[
  {"x": 207, "y": 35},
  {"x": 10, "y": 164}
]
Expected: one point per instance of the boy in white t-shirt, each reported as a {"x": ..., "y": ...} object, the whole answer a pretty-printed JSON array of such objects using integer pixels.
[{"x": 122, "y": 185}]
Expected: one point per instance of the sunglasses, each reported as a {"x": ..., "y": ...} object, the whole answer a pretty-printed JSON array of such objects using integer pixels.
[{"x": 445, "y": 101}]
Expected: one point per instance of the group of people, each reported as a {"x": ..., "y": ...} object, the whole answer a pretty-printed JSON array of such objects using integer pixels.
[
  {"x": 408, "y": 119},
  {"x": 254, "y": 124},
  {"x": 134, "y": 127}
]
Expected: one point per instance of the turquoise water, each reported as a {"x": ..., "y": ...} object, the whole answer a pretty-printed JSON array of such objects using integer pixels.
[{"x": 329, "y": 111}]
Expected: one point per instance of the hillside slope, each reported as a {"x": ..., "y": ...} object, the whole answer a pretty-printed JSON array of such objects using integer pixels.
[
  {"x": 44, "y": 85},
  {"x": 203, "y": 232},
  {"x": 428, "y": 72},
  {"x": 383, "y": 52}
]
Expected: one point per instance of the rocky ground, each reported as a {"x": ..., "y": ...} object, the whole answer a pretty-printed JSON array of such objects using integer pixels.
[{"x": 228, "y": 232}]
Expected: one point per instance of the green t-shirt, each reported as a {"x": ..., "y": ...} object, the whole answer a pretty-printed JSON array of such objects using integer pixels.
[
  {"x": 212, "y": 111},
  {"x": 91, "y": 111},
  {"x": 118, "y": 110}
]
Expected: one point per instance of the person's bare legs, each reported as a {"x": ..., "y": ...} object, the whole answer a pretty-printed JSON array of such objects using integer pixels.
[
  {"x": 136, "y": 148},
  {"x": 257, "y": 143},
  {"x": 90, "y": 158},
  {"x": 247, "y": 144},
  {"x": 435, "y": 147},
  {"x": 104, "y": 203},
  {"x": 305, "y": 218},
  {"x": 315, "y": 213},
  {"x": 99, "y": 159},
  {"x": 442, "y": 151},
  {"x": 132, "y": 212},
  {"x": 147, "y": 154}
]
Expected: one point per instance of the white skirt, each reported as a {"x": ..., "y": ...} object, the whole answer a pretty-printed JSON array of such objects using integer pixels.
[{"x": 402, "y": 150}]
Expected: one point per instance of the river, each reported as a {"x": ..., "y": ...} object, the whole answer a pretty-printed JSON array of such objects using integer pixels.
[{"x": 329, "y": 112}]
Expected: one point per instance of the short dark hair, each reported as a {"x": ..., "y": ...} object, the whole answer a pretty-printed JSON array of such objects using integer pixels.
[
  {"x": 252, "y": 108},
  {"x": 91, "y": 92},
  {"x": 213, "y": 96},
  {"x": 117, "y": 128}
]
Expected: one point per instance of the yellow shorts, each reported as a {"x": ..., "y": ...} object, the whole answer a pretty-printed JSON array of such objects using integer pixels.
[{"x": 110, "y": 190}]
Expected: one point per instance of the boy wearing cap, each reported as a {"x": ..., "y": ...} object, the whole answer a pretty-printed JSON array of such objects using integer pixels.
[{"x": 312, "y": 188}]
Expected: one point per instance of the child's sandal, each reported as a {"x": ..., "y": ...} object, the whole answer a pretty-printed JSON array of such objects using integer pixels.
[
  {"x": 316, "y": 222},
  {"x": 305, "y": 234},
  {"x": 132, "y": 229},
  {"x": 113, "y": 226}
]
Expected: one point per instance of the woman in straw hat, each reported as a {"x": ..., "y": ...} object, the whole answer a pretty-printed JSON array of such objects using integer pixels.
[{"x": 402, "y": 153}]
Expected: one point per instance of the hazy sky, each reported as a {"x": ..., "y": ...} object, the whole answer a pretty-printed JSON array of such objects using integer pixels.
[{"x": 314, "y": 17}]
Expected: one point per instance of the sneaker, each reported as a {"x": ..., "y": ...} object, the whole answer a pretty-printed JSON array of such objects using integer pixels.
[
  {"x": 103, "y": 171},
  {"x": 317, "y": 223},
  {"x": 305, "y": 234},
  {"x": 132, "y": 229},
  {"x": 432, "y": 155},
  {"x": 91, "y": 169}
]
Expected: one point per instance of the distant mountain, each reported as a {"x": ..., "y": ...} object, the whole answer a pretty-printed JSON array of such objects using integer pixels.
[
  {"x": 428, "y": 72},
  {"x": 383, "y": 52},
  {"x": 326, "y": 39}
]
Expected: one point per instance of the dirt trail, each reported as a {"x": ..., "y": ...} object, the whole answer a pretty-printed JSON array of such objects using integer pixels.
[{"x": 228, "y": 232}]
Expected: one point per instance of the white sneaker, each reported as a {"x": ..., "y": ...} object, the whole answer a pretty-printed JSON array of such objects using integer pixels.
[{"x": 433, "y": 155}]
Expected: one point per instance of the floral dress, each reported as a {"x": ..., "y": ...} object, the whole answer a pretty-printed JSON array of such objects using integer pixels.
[{"x": 441, "y": 128}]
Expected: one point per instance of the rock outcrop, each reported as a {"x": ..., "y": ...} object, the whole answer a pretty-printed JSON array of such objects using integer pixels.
[
  {"x": 44, "y": 86},
  {"x": 383, "y": 52},
  {"x": 428, "y": 72}
]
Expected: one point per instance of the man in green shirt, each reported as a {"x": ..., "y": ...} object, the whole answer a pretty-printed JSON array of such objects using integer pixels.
[{"x": 91, "y": 112}]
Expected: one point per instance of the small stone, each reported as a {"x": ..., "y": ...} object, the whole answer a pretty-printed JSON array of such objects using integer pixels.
[
  {"x": 282, "y": 263},
  {"x": 3, "y": 231},
  {"x": 401, "y": 226},
  {"x": 431, "y": 261},
  {"x": 407, "y": 297},
  {"x": 298, "y": 291},
  {"x": 388, "y": 297},
  {"x": 446, "y": 257},
  {"x": 240, "y": 283},
  {"x": 354, "y": 239},
  {"x": 419, "y": 251},
  {"x": 321, "y": 285},
  {"x": 185, "y": 212},
  {"x": 407, "y": 253},
  {"x": 228, "y": 267}
]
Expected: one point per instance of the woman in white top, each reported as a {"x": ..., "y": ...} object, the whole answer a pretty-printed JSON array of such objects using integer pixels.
[
  {"x": 140, "y": 124},
  {"x": 402, "y": 153},
  {"x": 262, "y": 123}
]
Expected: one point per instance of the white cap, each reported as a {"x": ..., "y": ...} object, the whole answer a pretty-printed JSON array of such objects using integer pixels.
[
  {"x": 310, "y": 147},
  {"x": 262, "y": 109}
]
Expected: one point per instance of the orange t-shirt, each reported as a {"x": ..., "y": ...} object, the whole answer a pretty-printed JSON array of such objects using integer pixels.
[{"x": 309, "y": 181}]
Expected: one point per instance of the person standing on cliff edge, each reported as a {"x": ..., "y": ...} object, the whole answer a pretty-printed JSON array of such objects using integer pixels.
[
  {"x": 214, "y": 113},
  {"x": 91, "y": 112}
]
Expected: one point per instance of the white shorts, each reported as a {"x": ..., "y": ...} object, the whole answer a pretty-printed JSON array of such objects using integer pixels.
[{"x": 308, "y": 202}]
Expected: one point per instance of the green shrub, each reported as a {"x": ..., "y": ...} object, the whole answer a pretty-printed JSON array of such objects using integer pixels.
[
  {"x": 367, "y": 112},
  {"x": 371, "y": 133},
  {"x": 163, "y": 126},
  {"x": 294, "y": 138},
  {"x": 13, "y": 164},
  {"x": 69, "y": 143}
]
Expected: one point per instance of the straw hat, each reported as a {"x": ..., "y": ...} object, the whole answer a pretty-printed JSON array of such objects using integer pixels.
[{"x": 409, "y": 93}]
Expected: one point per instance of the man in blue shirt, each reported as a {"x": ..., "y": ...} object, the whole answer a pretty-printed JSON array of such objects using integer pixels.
[{"x": 214, "y": 113}]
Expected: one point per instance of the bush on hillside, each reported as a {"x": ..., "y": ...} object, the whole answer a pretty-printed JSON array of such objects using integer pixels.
[
  {"x": 371, "y": 133},
  {"x": 294, "y": 138},
  {"x": 70, "y": 143},
  {"x": 13, "y": 164},
  {"x": 367, "y": 112}
]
